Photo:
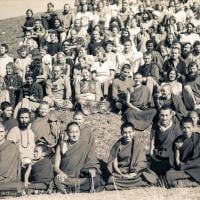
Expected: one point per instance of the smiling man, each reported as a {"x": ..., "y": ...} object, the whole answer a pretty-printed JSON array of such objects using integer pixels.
[
  {"x": 163, "y": 134},
  {"x": 126, "y": 161}
]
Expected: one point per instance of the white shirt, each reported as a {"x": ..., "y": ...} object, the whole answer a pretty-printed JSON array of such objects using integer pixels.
[
  {"x": 4, "y": 60},
  {"x": 25, "y": 141}
]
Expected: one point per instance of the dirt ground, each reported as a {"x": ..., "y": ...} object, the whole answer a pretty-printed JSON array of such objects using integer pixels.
[{"x": 136, "y": 194}]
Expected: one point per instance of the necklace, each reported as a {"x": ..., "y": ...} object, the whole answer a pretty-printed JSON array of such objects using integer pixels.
[{"x": 27, "y": 137}]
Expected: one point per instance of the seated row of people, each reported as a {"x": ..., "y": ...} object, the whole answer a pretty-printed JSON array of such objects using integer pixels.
[{"x": 70, "y": 164}]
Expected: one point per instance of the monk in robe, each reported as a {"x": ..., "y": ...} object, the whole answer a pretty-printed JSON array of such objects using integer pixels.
[
  {"x": 39, "y": 173},
  {"x": 76, "y": 165},
  {"x": 126, "y": 162},
  {"x": 86, "y": 130},
  {"x": 140, "y": 110},
  {"x": 10, "y": 164},
  {"x": 163, "y": 134},
  {"x": 186, "y": 167},
  {"x": 44, "y": 126}
]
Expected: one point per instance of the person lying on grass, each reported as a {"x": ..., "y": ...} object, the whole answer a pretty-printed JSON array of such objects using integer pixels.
[
  {"x": 39, "y": 173},
  {"x": 186, "y": 168}
]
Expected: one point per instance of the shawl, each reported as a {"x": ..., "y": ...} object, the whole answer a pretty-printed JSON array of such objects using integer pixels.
[
  {"x": 141, "y": 97},
  {"x": 190, "y": 156},
  {"x": 164, "y": 142},
  {"x": 137, "y": 157},
  {"x": 79, "y": 158},
  {"x": 9, "y": 165},
  {"x": 42, "y": 171}
]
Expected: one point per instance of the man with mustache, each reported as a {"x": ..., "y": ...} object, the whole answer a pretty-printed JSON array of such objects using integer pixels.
[
  {"x": 171, "y": 100},
  {"x": 191, "y": 90},
  {"x": 23, "y": 136}
]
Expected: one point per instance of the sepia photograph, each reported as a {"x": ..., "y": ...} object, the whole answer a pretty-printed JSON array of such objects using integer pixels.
[{"x": 100, "y": 99}]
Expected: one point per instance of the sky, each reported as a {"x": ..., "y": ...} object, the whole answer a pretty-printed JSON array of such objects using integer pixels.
[{"x": 15, "y": 8}]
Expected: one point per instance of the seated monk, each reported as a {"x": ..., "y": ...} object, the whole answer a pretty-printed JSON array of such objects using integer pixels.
[
  {"x": 10, "y": 165},
  {"x": 186, "y": 168},
  {"x": 126, "y": 162},
  {"x": 140, "y": 110},
  {"x": 76, "y": 165},
  {"x": 163, "y": 134},
  {"x": 86, "y": 129},
  {"x": 39, "y": 173},
  {"x": 44, "y": 126}
]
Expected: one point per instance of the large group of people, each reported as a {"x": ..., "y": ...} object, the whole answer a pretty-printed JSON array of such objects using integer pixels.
[{"x": 137, "y": 59}]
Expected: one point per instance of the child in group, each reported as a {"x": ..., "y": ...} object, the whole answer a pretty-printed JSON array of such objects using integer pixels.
[{"x": 39, "y": 173}]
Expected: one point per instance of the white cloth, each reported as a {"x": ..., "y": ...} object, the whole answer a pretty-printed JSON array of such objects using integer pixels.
[
  {"x": 4, "y": 60},
  {"x": 25, "y": 141}
]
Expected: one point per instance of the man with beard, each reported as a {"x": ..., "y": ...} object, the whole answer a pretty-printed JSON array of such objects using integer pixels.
[
  {"x": 189, "y": 35},
  {"x": 66, "y": 17},
  {"x": 120, "y": 88},
  {"x": 191, "y": 90},
  {"x": 23, "y": 136},
  {"x": 175, "y": 62},
  {"x": 167, "y": 98},
  {"x": 196, "y": 54},
  {"x": 186, "y": 53}
]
